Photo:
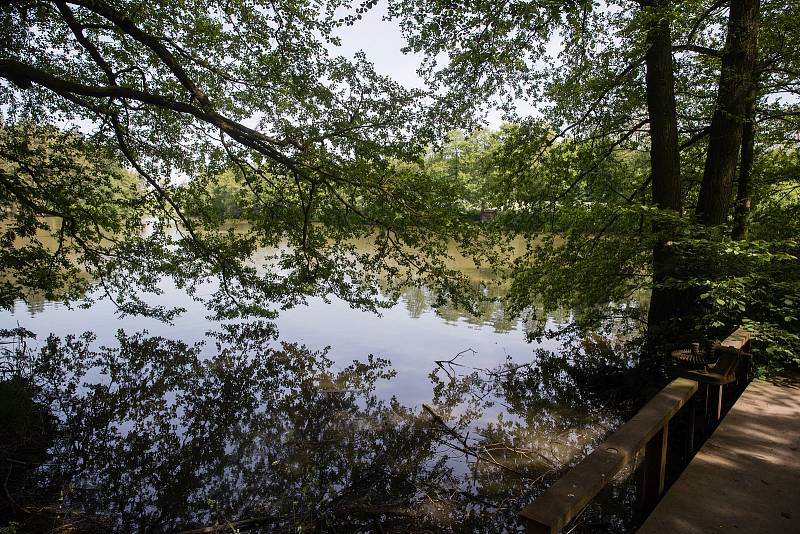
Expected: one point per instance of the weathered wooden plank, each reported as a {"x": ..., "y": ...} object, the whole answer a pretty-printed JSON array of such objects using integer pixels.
[
  {"x": 706, "y": 377},
  {"x": 570, "y": 494},
  {"x": 634, "y": 435},
  {"x": 745, "y": 477},
  {"x": 737, "y": 340}
]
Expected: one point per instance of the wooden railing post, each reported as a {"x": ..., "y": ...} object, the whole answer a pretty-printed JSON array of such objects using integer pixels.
[
  {"x": 692, "y": 429},
  {"x": 654, "y": 469},
  {"x": 716, "y": 404}
]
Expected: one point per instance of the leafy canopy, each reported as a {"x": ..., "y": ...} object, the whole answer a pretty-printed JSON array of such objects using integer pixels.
[{"x": 322, "y": 149}]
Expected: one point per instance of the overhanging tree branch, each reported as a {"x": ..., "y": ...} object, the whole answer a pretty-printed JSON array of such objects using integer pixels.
[
  {"x": 24, "y": 75},
  {"x": 126, "y": 25}
]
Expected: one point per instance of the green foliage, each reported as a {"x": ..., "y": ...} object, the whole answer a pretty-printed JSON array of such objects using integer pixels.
[
  {"x": 581, "y": 171},
  {"x": 65, "y": 202},
  {"x": 755, "y": 284},
  {"x": 249, "y": 101},
  {"x": 467, "y": 160},
  {"x": 777, "y": 210},
  {"x": 311, "y": 152},
  {"x": 221, "y": 197}
]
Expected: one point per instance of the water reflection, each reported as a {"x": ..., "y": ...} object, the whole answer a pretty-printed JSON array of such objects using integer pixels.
[
  {"x": 156, "y": 435},
  {"x": 417, "y": 301},
  {"x": 488, "y": 312}
]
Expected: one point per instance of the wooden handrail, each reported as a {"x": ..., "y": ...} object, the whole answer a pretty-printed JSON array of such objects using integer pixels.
[
  {"x": 737, "y": 340},
  {"x": 569, "y": 495},
  {"x": 648, "y": 431}
]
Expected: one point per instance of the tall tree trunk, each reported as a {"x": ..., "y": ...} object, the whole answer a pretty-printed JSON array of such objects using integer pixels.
[
  {"x": 741, "y": 209},
  {"x": 735, "y": 89},
  {"x": 664, "y": 160}
]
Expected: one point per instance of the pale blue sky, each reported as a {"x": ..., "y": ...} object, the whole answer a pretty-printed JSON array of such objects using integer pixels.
[{"x": 382, "y": 42}]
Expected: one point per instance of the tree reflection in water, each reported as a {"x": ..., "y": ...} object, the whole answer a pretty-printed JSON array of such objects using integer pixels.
[{"x": 153, "y": 436}]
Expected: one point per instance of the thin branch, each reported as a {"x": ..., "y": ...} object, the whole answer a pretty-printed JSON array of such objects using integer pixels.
[
  {"x": 602, "y": 158},
  {"x": 465, "y": 447},
  {"x": 77, "y": 31},
  {"x": 703, "y": 50}
]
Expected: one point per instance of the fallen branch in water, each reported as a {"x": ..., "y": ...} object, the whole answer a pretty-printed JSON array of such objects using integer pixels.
[
  {"x": 469, "y": 450},
  {"x": 381, "y": 509},
  {"x": 522, "y": 452},
  {"x": 245, "y": 524}
]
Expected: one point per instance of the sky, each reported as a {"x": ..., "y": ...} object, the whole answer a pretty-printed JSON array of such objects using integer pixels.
[{"x": 382, "y": 41}]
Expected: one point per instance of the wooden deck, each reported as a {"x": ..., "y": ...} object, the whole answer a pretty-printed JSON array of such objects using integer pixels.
[{"x": 746, "y": 477}]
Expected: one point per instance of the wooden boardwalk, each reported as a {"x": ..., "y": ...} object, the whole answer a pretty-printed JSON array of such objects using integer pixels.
[{"x": 746, "y": 477}]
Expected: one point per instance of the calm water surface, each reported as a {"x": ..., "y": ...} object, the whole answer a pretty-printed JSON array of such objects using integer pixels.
[
  {"x": 322, "y": 429},
  {"x": 411, "y": 334}
]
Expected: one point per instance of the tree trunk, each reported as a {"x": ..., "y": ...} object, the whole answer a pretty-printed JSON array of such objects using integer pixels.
[
  {"x": 735, "y": 89},
  {"x": 664, "y": 162},
  {"x": 743, "y": 200}
]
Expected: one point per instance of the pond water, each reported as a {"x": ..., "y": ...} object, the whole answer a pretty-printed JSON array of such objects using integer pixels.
[{"x": 347, "y": 422}]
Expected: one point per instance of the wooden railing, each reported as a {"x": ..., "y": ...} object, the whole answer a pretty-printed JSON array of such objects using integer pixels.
[{"x": 647, "y": 431}]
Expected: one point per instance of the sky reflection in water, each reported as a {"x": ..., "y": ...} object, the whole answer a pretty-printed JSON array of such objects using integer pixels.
[{"x": 159, "y": 436}]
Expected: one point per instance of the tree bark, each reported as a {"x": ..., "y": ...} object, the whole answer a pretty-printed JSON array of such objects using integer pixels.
[
  {"x": 743, "y": 200},
  {"x": 660, "y": 81},
  {"x": 735, "y": 89},
  {"x": 664, "y": 160}
]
